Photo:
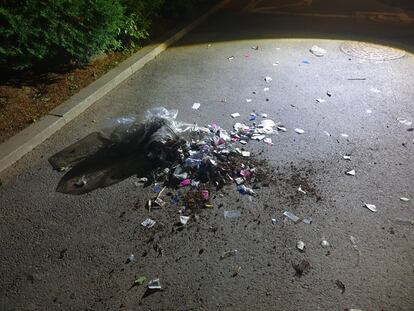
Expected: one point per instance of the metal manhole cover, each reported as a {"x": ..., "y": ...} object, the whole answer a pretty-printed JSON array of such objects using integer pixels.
[{"x": 371, "y": 51}]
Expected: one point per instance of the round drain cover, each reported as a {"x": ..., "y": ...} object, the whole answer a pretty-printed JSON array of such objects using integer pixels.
[{"x": 371, "y": 51}]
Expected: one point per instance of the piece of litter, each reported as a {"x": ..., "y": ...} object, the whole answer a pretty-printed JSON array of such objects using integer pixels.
[
  {"x": 239, "y": 180},
  {"x": 235, "y": 115},
  {"x": 404, "y": 199},
  {"x": 276, "y": 63},
  {"x": 347, "y": 157},
  {"x": 268, "y": 141},
  {"x": 148, "y": 223},
  {"x": 299, "y": 131},
  {"x": 245, "y": 153},
  {"x": 405, "y": 221},
  {"x": 196, "y": 106},
  {"x": 301, "y": 190},
  {"x": 344, "y": 135},
  {"x": 340, "y": 285},
  {"x": 274, "y": 221},
  {"x": 205, "y": 194},
  {"x": 371, "y": 207},
  {"x": 255, "y": 47},
  {"x": 230, "y": 58},
  {"x": 81, "y": 182},
  {"x": 374, "y": 90},
  {"x": 350, "y": 173},
  {"x": 305, "y": 61},
  {"x": 300, "y": 245},
  {"x": 154, "y": 284},
  {"x": 320, "y": 100},
  {"x": 248, "y": 100},
  {"x": 258, "y": 137},
  {"x": 268, "y": 79},
  {"x": 291, "y": 216},
  {"x": 329, "y": 93},
  {"x": 404, "y": 121},
  {"x": 243, "y": 142},
  {"x": 141, "y": 280},
  {"x": 369, "y": 111},
  {"x": 159, "y": 202},
  {"x": 281, "y": 128},
  {"x": 228, "y": 254},
  {"x": 245, "y": 190},
  {"x": 317, "y": 51},
  {"x": 130, "y": 258},
  {"x": 185, "y": 183},
  {"x": 325, "y": 243},
  {"x": 264, "y": 115},
  {"x": 184, "y": 219},
  {"x": 266, "y": 89},
  {"x": 327, "y": 133},
  {"x": 231, "y": 214},
  {"x": 307, "y": 221}
]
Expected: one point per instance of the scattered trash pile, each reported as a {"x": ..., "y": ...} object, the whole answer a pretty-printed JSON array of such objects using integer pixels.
[{"x": 173, "y": 154}]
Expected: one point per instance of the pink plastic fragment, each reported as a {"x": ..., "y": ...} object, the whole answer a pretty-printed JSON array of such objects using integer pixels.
[
  {"x": 245, "y": 173},
  {"x": 185, "y": 183},
  {"x": 204, "y": 194}
]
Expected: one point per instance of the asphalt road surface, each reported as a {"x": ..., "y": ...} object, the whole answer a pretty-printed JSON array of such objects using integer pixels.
[{"x": 65, "y": 252}]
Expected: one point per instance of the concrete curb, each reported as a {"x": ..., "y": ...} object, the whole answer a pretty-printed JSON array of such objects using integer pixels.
[{"x": 17, "y": 146}]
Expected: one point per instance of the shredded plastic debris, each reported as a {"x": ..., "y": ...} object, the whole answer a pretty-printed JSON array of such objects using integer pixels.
[
  {"x": 291, "y": 216},
  {"x": 268, "y": 79},
  {"x": 196, "y": 106},
  {"x": 228, "y": 254},
  {"x": 347, "y": 157},
  {"x": 232, "y": 214},
  {"x": 317, "y": 51},
  {"x": 320, "y": 100},
  {"x": 404, "y": 199},
  {"x": 325, "y": 243},
  {"x": 148, "y": 223},
  {"x": 371, "y": 207},
  {"x": 299, "y": 131},
  {"x": 350, "y": 173},
  {"x": 300, "y": 245},
  {"x": 154, "y": 284},
  {"x": 301, "y": 190},
  {"x": 184, "y": 219},
  {"x": 404, "y": 121},
  {"x": 235, "y": 115}
]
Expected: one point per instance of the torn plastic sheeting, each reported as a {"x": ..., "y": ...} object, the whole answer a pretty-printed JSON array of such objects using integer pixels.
[
  {"x": 231, "y": 214},
  {"x": 317, "y": 51}
]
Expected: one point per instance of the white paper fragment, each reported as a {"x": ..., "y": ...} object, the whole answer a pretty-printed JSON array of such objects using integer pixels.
[
  {"x": 154, "y": 284},
  {"x": 347, "y": 157},
  {"x": 248, "y": 100},
  {"x": 404, "y": 121},
  {"x": 291, "y": 216},
  {"x": 301, "y": 190},
  {"x": 258, "y": 137},
  {"x": 327, "y": 133},
  {"x": 300, "y": 245},
  {"x": 148, "y": 223},
  {"x": 274, "y": 221},
  {"x": 245, "y": 153},
  {"x": 371, "y": 207},
  {"x": 268, "y": 141},
  {"x": 235, "y": 115},
  {"x": 325, "y": 243},
  {"x": 404, "y": 199},
  {"x": 184, "y": 219},
  {"x": 264, "y": 115},
  {"x": 299, "y": 131},
  {"x": 268, "y": 79},
  {"x": 196, "y": 106},
  {"x": 351, "y": 173},
  {"x": 369, "y": 111},
  {"x": 374, "y": 90},
  {"x": 239, "y": 180},
  {"x": 320, "y": 100},
  {"x": 317, "y": 51},
  {"x": 344, "y": 135},
  {"x": 282, "y": 128},
  {"x": 230, "y": 58},
  {"x": 243, "y": 142},
  {"x": 307, "y": 221},
  {"x": 266, "y": 89},
  {"x": 276, "y": 63}
]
